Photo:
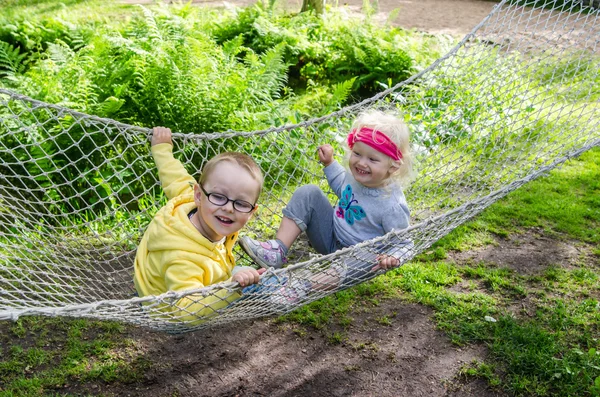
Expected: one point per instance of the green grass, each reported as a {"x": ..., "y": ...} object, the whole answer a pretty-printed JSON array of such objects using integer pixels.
[
  {"x": 565, "y": 205},
  {"x": 40, "y": 354}
]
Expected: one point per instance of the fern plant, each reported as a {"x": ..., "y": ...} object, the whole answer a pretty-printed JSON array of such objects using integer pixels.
[
  {"x": 11, "y": 60},
  {"x": 193, "y": 70},
  {"x": 325, "y": 51}
]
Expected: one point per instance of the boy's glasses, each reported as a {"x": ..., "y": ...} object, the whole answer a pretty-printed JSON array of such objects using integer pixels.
[{"x": 221, "y": 200}]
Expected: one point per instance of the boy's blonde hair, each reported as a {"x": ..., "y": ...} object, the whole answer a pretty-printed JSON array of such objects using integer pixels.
[
  {"x": 392, "y": 125},
  {"x": 241, "y": 159}
]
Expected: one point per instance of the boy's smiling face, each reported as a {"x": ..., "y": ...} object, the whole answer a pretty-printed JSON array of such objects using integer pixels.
[{"x": 233, "y": 181}]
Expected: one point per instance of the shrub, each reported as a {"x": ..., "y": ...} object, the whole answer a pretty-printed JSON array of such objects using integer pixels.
[{"x": 325, "y": 50}]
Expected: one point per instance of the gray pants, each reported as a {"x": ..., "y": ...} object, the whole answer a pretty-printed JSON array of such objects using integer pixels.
[{"x": 313, "y": 213}]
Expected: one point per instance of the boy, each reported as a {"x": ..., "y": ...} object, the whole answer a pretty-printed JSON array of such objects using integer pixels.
[{"x": 188, "y": 244}]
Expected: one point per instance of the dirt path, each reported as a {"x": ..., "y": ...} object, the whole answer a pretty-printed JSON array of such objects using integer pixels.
[{"x": 456, "y": 17}]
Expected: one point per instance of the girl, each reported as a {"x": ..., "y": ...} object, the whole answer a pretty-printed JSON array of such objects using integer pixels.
[{"x": 371, "y": 202}]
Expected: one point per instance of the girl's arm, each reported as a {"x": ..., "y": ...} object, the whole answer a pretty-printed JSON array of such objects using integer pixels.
[
  {"x": 336, "y": 175},
  {"x": 394, "y": 250},
  {"x": 333, "y": 171}
]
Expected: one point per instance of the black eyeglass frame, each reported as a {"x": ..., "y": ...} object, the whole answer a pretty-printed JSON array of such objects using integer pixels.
[{"x": 244, "y": 202}]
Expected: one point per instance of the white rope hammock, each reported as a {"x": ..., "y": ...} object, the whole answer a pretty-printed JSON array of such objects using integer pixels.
[{"x": 517, "y": 97}]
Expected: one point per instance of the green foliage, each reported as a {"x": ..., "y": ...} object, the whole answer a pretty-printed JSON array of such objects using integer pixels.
[
  {"x": 567, "y": 201},
  {"x": 11, "y": 61},
  {"x": 23, "y": 3},
  {"x": 538, "y": 362},
  {"x": 63, "y": 150},
  {"x": 32, "y": 34},
  {"x": 483, "y": 370},
  {"x": 475, "y": 102},
  {"x": 194, "y": 70},
  {"x": 325, "y": 50},
  {"x": 578, "y": 68},
  {"x": 159, "y": 71}
]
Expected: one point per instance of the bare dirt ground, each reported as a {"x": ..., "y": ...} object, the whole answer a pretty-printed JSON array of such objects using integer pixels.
[
  {"x": 408, "y": 357},
  {"x": 456, "y": 17}
]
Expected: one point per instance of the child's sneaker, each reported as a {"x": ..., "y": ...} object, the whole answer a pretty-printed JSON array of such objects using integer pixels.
[
  {"x": 291, "y": 294},
  {"x": 266, "y": 254}
]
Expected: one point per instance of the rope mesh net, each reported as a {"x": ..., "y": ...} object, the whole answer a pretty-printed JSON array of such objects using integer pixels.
[{"x": 515, "y": 98}]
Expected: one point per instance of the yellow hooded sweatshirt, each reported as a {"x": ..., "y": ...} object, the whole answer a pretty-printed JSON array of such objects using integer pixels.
[{"x": 174, "y": 256}]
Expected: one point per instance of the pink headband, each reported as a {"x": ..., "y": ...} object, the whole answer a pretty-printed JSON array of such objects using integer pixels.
[{"x": 377, "y": 140}]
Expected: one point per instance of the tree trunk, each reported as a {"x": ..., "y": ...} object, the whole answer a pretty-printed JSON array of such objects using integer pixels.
[{"x": 317, "y": 5}]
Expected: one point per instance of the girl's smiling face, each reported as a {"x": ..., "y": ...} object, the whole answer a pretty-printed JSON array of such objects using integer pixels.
[
  {"x": 370, "y": 167},
  {"x": 233, "y": 181}
]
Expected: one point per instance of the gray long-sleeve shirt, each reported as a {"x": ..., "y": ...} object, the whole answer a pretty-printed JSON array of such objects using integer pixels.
[{"x": 363, "y": 213}]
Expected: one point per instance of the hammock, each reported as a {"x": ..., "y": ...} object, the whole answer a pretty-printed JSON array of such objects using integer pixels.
[{"x": 515, "y": 98}]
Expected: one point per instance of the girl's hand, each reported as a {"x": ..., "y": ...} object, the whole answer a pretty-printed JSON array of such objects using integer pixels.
[
  {"x": 248, "y": 276},
  {"x": 325, "y": 154},
  {"x": 386, "y": 262},
  {"x": 161, "y": 135}
]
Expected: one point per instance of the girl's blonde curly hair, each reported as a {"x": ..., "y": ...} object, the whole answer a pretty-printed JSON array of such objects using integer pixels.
[{"x": 392, "y": 125}]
